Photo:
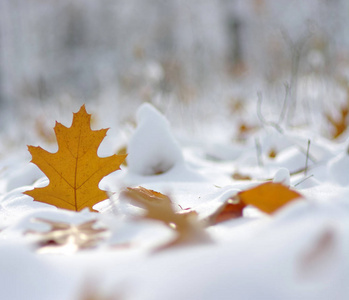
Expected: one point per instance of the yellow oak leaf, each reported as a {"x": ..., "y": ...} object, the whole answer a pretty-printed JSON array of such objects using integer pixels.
[
  {"x": 75, "y": 170},
  {"x": 269, "y": 196}
]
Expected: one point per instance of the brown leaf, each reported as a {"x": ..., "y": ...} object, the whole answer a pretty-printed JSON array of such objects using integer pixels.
[
  {"x": 46, "y": 135},
  {"x": 159, "y": 207},
  {"x": 244, "y": 130},
  {"x": 272, "y": 153},
  {"x": 269, "y": 196},
  {"x": 67, "y": 238},
  {"x": 339, "y": 125},
  {"x": 92, "y": 290},
  {"x": 238, "y": 176},
  {"x": 236, "y": 105},
  {"x": 75, "y": 170},
  {"x": 231, "y": 209},
  {"x": 320, "y": 257}
]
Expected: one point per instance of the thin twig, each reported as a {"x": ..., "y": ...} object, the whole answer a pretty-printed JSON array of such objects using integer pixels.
[
  {"x": 296, "y": 52},
  {"x": 307, "y": 153},
  {"x": 259, "y": 152},
  {"x": 311, "y": 167},
  {"x": 285, "y": 104},
  {"x": 304, "y": 179},
  {"x": 261, "y": 117},
  {"x": 306, "y": 160}
]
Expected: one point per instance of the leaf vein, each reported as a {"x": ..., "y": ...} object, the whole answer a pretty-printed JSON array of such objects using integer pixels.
[
  {"x": 89, "y": 177},
  {"x": 60, "y": 174}
]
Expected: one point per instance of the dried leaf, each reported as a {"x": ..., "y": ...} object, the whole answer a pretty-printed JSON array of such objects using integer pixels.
[
  {"x": 75, "y": 169},
  {"x": 122, "y": 246},
  {"x": 236, "y": 105},
  {"x": 159, "y": 207},
  {"x": 231, "y": 209},
  {"x": 272, "y": 153},
  {"x": 244, "y": 130},
  {"x": 339, "y": 125},
  {"x": 47, "y": 135},
  {"x": 269, "y": 196},
  {"x": 320, "y": 257},
  {"x": 238, "y": 176},
  {"x": 93, "y": 290},
  {"x": 67, "y": 238}
]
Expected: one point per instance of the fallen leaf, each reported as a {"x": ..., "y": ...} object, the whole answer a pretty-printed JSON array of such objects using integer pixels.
[
  {"x": 244, "y": 130},
  {"x": 238, "y": 176},
  {"x": 320, "y": 258},
  {"x": 269, "y": 196},
  {"x": 231, "y": 209},
  {"x": 67, "y": 238},
  {"x": 75, "y": 169},
  {"x": 339, "y": 125},
  {"x": 42, "y": 131},
  {"x": 272, "y": 153},
  {"x": 236, "y": 105},
  {"x": 159, "y": 207},
  {"x": 94, "y": 290},
  {"x": 122, "y": 246}
]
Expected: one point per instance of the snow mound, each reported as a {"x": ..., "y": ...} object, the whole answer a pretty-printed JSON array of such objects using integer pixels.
[
  {"x": 338, "y": 168},
  {"x": 152, "y": 149},
  {"x": 282, "y": 176}
]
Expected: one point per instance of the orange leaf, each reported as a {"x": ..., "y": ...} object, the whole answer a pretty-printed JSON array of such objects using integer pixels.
[
  {"x": 269, "y": 196},
  {"x": 231, "y": 209},
  {"x": 75, "y": 170}
]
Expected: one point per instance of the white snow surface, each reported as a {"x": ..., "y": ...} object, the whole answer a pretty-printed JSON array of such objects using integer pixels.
[
  {"x": 152, "y": 148},
  {"x": 300, "y": 252}
]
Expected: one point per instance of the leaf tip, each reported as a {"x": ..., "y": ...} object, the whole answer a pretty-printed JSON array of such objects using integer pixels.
[
  {"x": 28, "y": 193},
  {"x": 32, "y": 148},
  {"x": 83, "y": 110}
]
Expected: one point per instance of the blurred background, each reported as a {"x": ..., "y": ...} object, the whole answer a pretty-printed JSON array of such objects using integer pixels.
[{"x": 194, "y": 60}]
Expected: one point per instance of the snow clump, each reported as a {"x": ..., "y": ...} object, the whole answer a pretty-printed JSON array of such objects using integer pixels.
[{"x": 152, "y": 149}]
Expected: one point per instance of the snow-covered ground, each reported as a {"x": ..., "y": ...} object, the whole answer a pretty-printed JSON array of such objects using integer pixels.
[
  {"x": 208, "y": 98},
  {"x": 300, "y": 252}
]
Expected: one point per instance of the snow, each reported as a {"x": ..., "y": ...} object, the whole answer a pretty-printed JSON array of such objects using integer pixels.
[
  {"x": 152, "y": 148},
  {"x": 338, "y": 167},
  {"x": 282, "y": 176},
  {"x": 153, "y": 152},
  {"x": 300, "y": 252},
  {"x": 167, "y": 96}
]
